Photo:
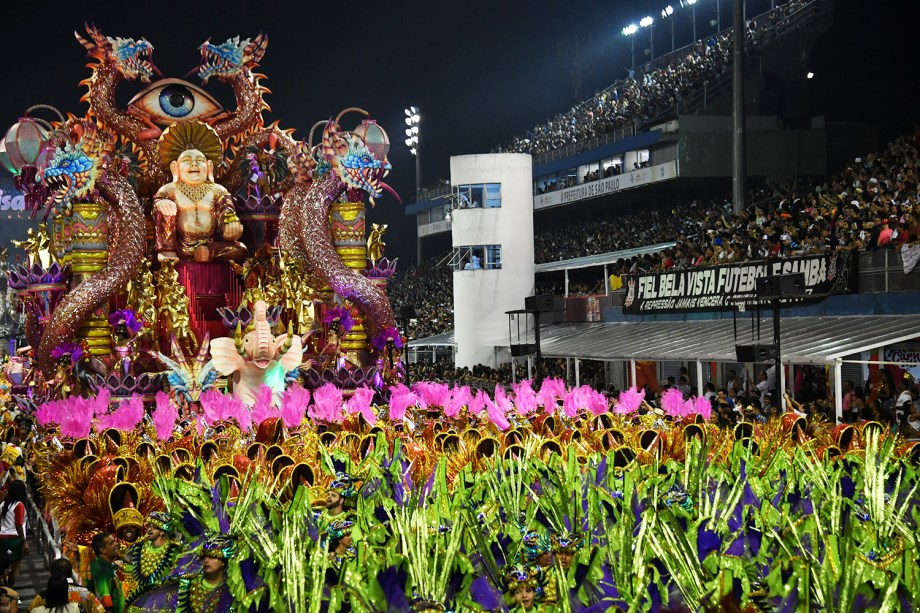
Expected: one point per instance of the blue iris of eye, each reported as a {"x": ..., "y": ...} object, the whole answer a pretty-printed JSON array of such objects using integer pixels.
[{"x": 176, "y": 100}]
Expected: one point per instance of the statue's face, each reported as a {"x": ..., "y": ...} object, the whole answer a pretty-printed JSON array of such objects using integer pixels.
[{"x": 192, "y": 167}]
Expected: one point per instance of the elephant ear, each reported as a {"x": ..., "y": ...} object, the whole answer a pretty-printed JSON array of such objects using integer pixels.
[
  {"x": 294, "y": 356},
  {"x": 224, "y": 356}
]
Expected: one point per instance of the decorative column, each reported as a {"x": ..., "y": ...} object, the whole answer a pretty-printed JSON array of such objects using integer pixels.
[
  {"x": 89, "y": 254},
  {"x": 348, "y": 224}
]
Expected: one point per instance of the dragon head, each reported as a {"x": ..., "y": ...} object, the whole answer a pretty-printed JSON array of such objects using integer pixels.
[
  {"x": 73, "y": 169},
  {"x": 231, "y": 57},
  {"x": 353, "y": 163},
  {"x": 131, "y": 57}
]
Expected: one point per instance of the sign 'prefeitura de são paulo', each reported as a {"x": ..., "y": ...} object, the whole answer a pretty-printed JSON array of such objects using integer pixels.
[{"x": 728, "y": 287}]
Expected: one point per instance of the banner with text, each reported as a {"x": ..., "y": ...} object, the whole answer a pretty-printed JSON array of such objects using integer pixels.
[
  {"x": 610, "y": 185},
  {"x": 734, "y": 286}
]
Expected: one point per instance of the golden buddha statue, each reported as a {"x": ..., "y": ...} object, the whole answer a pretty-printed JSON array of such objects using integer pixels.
[{"x": 194, "y": 217}]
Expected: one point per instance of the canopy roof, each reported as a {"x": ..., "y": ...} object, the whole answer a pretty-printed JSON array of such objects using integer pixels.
[{"x": 803, "y": 340}]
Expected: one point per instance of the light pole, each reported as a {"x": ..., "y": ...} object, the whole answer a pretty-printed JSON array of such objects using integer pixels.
[
  {"x": 692, "y": 5},
  {"x": 413, "y": 142},
  {"x": 648, "y": 22},
  {"x": 628, "y": 32},
  {"x": 666, "y": 13}
]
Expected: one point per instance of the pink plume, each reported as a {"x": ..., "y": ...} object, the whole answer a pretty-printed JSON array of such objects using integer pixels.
[
  {"x": 237, "y": 409},
  {"x": 525, "y": 399},
  {"x": 460, "y": 397},
  {"x": 77, "y": 419},
  {"x": 594, "y": 400},
  {"x": 502, "y": 401},
  {"x": 478, "y": 403},
  {"x": 212, "y": 404},
  {"x": 100, "y": 404},
  {"x": 294, "y": 403},
  {"x": 629, "y": 402},
  {"x": 401, "y": 398},
  {"x": 327, "y": 404},
  {"x": 572, "y": 402},
  {"x": 222, "y": 407},
  {"x": 672, "y": 401},
  {"x": 164, "y": 417},
  {"x": 550, "y": 392},
  {"x": 264, "y": 406},
  {"x": 704, "y": 407},
  {"x": 125, "y": 418},
  {"x": 360, "y": 402},
  {"x": 496, "y": 415},
  {"x": 48, "y": 412},
  {"x": 432, "y": 394}
]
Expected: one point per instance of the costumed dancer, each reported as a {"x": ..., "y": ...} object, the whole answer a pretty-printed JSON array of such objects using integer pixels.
[{"x": 150, "y": 560}]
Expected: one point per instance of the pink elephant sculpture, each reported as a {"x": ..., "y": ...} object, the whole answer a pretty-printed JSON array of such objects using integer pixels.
[{"x": 257, "y": 358}]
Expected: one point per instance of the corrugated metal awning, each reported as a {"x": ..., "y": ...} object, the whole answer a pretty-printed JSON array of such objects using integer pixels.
[
  {"x": 445, "y": 339},
  {"x": 804, "y": 340}
]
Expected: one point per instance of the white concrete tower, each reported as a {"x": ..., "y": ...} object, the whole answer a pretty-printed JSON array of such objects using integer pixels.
[{"x": 492, "y": 222}]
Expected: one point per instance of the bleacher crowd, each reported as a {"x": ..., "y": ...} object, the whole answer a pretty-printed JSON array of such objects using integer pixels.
[
  {"x": 429, "y": 288},
  {"x": 873, "y": 204},
  {"x": 641, "y": 97}
]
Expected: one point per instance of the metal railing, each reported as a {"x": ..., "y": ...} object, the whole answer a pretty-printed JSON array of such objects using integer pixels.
[{"x": 48, "y": 547}]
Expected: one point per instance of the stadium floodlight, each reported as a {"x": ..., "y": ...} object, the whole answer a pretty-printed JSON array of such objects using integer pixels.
[
  {"x": 413, "y": 142},
  {"x": 691, "y": 2},
  {"x": 646, "y": 21},
  {"x": 810, "y": 75},
  {"x": 667, "y": 11},
  {"x": 630, "y": 29}
]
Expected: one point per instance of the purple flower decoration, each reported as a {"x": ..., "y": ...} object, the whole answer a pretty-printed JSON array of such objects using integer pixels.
[
  {"x": 127, "y": 318},
  {"x": 72, "y": 350},
  {"x": 389, "y": 336},
  {"x": 339, "y": 319}
]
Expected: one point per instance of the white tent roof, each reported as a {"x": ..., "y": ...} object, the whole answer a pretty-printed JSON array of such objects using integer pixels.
[{"x": 803, "y": 340}]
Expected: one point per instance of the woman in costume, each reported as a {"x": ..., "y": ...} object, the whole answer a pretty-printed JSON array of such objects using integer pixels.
[{"x": 203, "y": 591}]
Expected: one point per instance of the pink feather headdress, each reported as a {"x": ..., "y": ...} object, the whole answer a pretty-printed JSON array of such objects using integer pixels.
[
  {"x": 672, "y": 402},
  {"x": 327, "y": 404},
  {"x": 125, "y": 418},
  {"x": 460, "y": 397},
  {"x": 432, "y": 394},
  {"x": 550, "y": 392},
  {"x": 703, "y": 407},
  {"x": 294, "y": 403},
  {"x": 264, "y": 406},
  {"x": 164, "y": 417},
  {"x": 401, "y": 398},
  {"x": 629, "y": 402},
  {"x": 495, "y": 413},
  {"x": 525, "y": 399},
  {"x": 360, "y": 402}
]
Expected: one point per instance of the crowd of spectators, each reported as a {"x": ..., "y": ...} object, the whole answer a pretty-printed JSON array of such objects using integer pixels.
[
  {"x": 429, "y": 288},
  {"x": 641, "y": 97},
  {"x": 872, "y": 204}
]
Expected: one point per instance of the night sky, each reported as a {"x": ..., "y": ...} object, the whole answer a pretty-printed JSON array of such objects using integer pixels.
[{"x": 480, "y": 71}]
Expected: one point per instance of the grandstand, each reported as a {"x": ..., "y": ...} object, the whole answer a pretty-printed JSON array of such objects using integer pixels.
[{"x": 631, "y": 197}]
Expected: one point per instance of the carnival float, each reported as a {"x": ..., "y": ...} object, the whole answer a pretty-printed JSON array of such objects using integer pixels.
[{"x": 212, "y": 376}]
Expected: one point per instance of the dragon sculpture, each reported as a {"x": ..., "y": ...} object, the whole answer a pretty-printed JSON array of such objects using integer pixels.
[{"x": 85, "y": 167}]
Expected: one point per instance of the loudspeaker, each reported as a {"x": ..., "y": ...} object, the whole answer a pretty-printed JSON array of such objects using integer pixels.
[
  {"x": 781, "y": 286},
  {"x": 523, "y": 349},
  {"x": 542, "y": 303},
  {"x": 755, "y": 353}
]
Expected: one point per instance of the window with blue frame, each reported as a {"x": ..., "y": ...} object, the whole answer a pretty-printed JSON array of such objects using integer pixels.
[{"x": 477, "y": 196}]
